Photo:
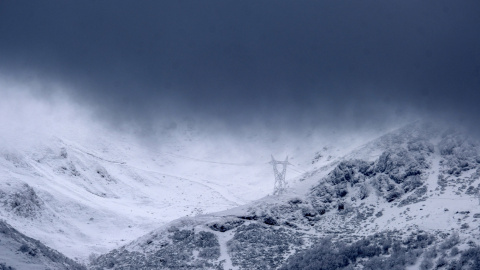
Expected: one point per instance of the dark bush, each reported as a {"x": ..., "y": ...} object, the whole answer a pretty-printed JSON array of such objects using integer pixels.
[
  {"x": 342, "y": 192},
  {"x": 209, "y": 253},
  {"x": 450, "y": 242},
  {"x": 470, "y": 259},
  {"x": 226, "y": 226},
  {"x": 426, "y": 264},
  {"x": 378, "y": 252},
  {"x": 393, "y": 195},
  {"x": 182, "y": 236},
  {"x": 295, "y": 201},
  {"x": 411, "y": 183},
  {"x": 321, "y": 257},
  {"x": 5, "y": 267},
  {"x": 206, "y": 239},
  {"x": 258, "y": 246},
  {"x": 270, "y": 221},
  {"x": 24, "y": 248},
  {"x": 441, "y": 262},
  {"x": 362, "y": 249}
]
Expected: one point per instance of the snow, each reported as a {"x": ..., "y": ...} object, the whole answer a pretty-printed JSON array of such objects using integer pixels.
[
  {"x": 102, "y": 191},
  {"x": 7, "y": 251},
  {"x": 118, "y": 191},
  {"x": 223, "y": 238}
]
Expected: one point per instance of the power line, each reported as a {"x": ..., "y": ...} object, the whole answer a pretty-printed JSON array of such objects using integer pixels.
[{"x": 297, "y": 170}]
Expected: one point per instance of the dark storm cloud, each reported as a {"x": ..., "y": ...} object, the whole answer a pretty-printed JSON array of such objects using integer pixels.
[{"x": 238, "y": 61}]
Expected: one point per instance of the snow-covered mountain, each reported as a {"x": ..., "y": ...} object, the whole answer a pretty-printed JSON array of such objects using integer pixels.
[
  {"x": 410, "y": 195},
  {"x": 22, "y": 252},
  {"x": 407, "y": 200},
  {"x": 85, "y": 191},
  {"x": 90, "y": 200}
]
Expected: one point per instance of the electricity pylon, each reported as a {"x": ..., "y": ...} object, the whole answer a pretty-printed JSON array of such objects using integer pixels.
[{"x": 280, "y": 183}]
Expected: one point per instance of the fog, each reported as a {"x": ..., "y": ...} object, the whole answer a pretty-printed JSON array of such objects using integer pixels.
[{"x": 237, "y": 68}]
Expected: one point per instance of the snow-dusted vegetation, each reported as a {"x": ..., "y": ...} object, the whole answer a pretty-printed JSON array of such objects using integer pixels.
[
  {"x": 18, "y": 251},
  {"x": 376, "y": 213},
  {"x": 406, "y": 200}
]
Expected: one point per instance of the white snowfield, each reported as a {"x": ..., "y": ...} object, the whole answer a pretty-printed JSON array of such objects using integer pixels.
[
  {"x": 89, "y": 193},
  {"x": 88, "y": 202},
  {"x": 83, "y": 188},
  {"x": 442, "y": 204},
  {"x": 82, "y": 194}
]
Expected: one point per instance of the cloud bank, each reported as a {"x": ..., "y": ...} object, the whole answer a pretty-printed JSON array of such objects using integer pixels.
[{"x": 241, "y": 64}]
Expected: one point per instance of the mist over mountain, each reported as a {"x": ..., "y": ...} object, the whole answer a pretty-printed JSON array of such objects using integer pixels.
[
  {"x": 280, "y": 64},
  {"x": 112, "y": 200},
  {"x": 406, "y": 200},
  {"x": 138, "y": 135}
]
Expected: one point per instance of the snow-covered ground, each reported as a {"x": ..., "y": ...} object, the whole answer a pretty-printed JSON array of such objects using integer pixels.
[
  {"x": 84, "y": 188},
  {"x": 418, "y": 186},
  {"x": 92, "y": 201},
  {"x": 97, "y": 197}
]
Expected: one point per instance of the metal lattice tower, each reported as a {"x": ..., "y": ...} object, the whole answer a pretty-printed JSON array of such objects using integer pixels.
[{"x": 280, "y": 183}]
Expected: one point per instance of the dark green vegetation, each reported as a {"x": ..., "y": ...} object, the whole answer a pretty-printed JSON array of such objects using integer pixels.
[
  {"x": 260, "y": 246},
  {"x": 180, "y": 249},
  {"x": 387, "y": 251}
]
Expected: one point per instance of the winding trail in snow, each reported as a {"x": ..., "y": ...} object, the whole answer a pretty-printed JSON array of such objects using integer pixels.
[{"x": 222, "y": 192}]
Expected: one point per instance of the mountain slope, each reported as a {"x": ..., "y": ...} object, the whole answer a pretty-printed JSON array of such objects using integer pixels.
[
  {"x": 407, "y": 199},
  {"x": 80, "y": 197},
  {"x": 84, "y": 194},
  {"x": 18, "y": 251}
]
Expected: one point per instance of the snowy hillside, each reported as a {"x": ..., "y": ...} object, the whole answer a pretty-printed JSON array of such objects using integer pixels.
[
  {"x": 88, "y": 193},
  {"x": 83, "y": 188},
  {"x": 21, "y": 252},
  {"x": 407, "y": 200},
  {"x": 92, "y": 202}
]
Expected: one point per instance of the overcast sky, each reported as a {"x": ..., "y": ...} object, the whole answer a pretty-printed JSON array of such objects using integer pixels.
[{"x": 281, "y": 63}]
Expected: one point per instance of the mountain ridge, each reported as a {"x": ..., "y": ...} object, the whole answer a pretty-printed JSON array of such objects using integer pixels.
[
  {"x": 396, "y": 195},
  {"x": 385, "y": 200}
]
